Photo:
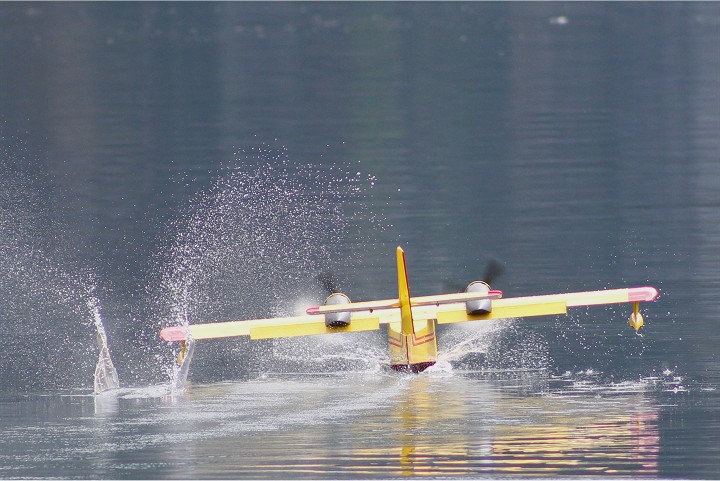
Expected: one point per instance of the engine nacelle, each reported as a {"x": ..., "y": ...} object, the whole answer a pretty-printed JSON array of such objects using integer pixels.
[
  {"x": 337, "y": 319},
  {"x": 480, "y": 306}
]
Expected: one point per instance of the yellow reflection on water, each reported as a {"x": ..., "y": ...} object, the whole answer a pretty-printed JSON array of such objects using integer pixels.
[
  {"x": 536, "y": 436},
  {"x": 426, "y": 425}
]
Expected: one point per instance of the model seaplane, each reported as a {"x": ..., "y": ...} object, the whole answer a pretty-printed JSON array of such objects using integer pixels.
[{"x": 410, "y": 321}]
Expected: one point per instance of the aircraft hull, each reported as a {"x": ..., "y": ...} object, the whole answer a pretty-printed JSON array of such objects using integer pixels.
[
  {"x": 413, "y": 368},
  {"x": 413, "y": 352}
]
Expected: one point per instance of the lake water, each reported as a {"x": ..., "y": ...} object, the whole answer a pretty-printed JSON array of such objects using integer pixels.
[{"x": 199, "y": 162}]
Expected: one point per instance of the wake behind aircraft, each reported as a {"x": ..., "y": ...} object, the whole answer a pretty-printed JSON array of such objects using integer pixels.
[{"x": 410, "y": 321}]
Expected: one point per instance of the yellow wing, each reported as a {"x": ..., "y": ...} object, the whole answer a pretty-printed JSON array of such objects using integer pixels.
[
  {"x": 444, "y": 313},
  {"x": 268, "y": 328},
  {"x": 544, "y": 305}
]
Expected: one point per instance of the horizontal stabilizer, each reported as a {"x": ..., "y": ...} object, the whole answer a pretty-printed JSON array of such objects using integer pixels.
[
  {"x": 436, "y": 300},
  {"x": 353, "y": 307},
  {"x": 453, "y": 298}
]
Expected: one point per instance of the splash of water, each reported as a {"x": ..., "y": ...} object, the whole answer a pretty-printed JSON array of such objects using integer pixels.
[
  {"x": 250, "y": 244},
  {"x": 179, "y": 369},
  {"x": 43, "y": 293},
  {"x": 492, "y": 345},
  {"x": 179, "y": 376},
  {"x": 106, "y": 376},
  {"x": 463, "y": 340},
  {"x": 599, "y": 383},
  {"x": 364, "y": 352}
]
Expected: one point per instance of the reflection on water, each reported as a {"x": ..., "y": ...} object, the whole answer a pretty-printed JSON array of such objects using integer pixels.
[
  {"x": 434, "y": 429},
  {"x": 346, "y": 424},
  {"x": 623, "y": 440},
  {"x": 372, "y": 424}
]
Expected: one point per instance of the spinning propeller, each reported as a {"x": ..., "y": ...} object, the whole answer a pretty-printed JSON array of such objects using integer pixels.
[
  {"x": 328, "y": 282},
  {"x": 493, "y": 270}
]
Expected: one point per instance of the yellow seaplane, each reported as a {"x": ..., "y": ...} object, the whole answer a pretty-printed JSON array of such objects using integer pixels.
[{"x": 411, "y": 321}]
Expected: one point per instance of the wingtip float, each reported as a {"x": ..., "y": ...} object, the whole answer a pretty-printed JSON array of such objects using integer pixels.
[{"x": 411, "y": 321}]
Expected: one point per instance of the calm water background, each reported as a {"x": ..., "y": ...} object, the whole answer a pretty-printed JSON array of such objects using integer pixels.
[{"x": 202, "y": 161}]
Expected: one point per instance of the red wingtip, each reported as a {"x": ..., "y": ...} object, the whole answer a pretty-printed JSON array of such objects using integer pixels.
[
  {"x": 636, "y": 294},
  {"x": 174, "y": 334},
  {"x": 495, "y": 293},
  {"x": 312, "y": 310}
]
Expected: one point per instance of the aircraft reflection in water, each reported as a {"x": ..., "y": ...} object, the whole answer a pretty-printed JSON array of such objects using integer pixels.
[
  {"x": 521, "y": 435},
  {"x": 436, "y": 424}
]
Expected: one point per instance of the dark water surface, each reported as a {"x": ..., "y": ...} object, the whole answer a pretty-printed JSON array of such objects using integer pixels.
[{"x": 167, "y": 161}]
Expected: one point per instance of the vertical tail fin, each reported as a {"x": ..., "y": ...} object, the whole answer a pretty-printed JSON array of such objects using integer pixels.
[{"x": 404, "y": 294}]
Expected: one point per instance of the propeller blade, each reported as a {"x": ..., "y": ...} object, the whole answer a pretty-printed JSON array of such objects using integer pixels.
[
  {"x": 493, "y": 270},
  {"x": 451, "y": 287},
  {"x": 328, "y": 282}
]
